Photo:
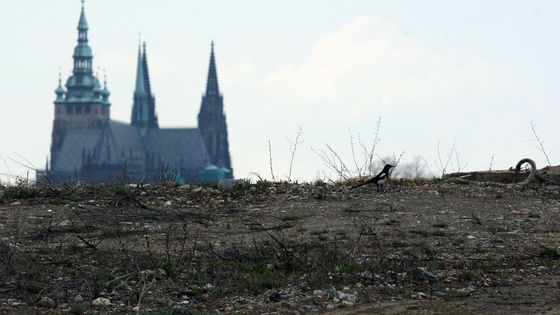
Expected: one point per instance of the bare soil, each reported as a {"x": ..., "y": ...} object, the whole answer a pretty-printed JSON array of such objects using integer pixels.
[{"x": 278, "y": 248}]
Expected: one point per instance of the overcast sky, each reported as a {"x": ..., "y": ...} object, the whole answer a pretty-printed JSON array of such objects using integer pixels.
[{"x": 476, "y": 72}]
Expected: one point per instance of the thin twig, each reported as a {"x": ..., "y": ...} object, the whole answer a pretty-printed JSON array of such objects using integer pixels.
[
  {"x": 270, "y": 160},
  {"x": 294, "y": 146},
  {"x": 540, "y": 145},
  {"x": 443, "y": 166}
]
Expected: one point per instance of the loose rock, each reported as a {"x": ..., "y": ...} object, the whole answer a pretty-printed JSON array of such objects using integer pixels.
[
  {"x": 276, "y": 297},
  {"x": 421, "y": 273},
  {"x": 101, "y": 302},
  {"x": 46, "y": 302}
]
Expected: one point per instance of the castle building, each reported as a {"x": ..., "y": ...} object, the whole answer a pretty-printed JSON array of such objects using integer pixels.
[{"x": 88, "y": 145}]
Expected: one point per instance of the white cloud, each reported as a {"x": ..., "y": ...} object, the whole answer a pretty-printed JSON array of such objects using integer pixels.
[
  {"x": 371, "y": 59},
  {"x": 364, "y": 70}
]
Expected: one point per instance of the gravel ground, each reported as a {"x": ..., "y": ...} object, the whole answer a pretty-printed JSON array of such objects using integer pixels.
[{"x": 280, "y": 248}]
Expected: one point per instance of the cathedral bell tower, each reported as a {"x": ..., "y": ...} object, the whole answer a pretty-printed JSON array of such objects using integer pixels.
[
  {"x": 84, "y": 103},
  {"x": 212, "y": 119}
]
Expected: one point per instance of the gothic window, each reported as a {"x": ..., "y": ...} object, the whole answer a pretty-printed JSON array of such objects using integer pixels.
[
  {"x": 102, "y": 110},
  {"x": 88, "y": 109},
  {"x": 69, "y": 110},
  {"x": 78, "y": 110}
]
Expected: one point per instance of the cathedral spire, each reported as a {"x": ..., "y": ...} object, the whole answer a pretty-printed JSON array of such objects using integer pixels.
[
  {"x": 82, "y": 53},
  {"x": 212, "y": 120},
  {"x": 143, "y": 108},
  {"x": 82, "y": 24},
  {"x": 140, "y": 80},
  {"x": 212, "y": 82},
  {"x": 83, "y": 86}
]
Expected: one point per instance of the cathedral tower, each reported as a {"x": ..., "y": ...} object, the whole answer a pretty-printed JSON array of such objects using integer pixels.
[
  {"x": 144, "y": 104},
  {"x": 84, "y": 103},
  {"x": 212, "y": 119}
]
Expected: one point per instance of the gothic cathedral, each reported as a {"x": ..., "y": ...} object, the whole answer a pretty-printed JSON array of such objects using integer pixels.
[{"x": 88, "y": 145}]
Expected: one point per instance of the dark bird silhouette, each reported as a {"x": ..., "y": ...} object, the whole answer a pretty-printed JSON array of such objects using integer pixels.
[{"x": 379, "y": 179}]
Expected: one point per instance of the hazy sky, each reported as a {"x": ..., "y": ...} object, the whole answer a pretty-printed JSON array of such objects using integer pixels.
[{"x": 474, "y": 71}]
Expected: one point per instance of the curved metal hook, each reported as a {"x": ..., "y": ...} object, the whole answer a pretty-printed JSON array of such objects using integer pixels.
[{"x": 531, "y": 175}]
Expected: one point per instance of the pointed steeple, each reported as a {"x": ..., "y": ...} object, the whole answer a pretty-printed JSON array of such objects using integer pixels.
[
  {"x": 140, "y": 80},
  {"x": 212, "y": 82},
  {"x": 82, "y": 24},
  {"x": 82, "y": 53},
  {"x": 143, "y": 108},
  {"x": 83, "y": 86},
  {"x": 212, "y": 120}
]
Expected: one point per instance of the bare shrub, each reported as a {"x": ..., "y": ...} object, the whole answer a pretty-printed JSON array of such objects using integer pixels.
[
  {"x": 446, "y": 162},
  {"x": 366, "y": 165},
  {"x": 294, "y": 146}
]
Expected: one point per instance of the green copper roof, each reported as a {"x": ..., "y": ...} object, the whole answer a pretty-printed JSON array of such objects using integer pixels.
[
  {"x": 105, "y": 91},
  {"x": 82, "y": 50},
  {"x": 97, "y": 88},
  {"x": 143, "y": 108},
  {"x": 82, "y": 87},
  {"x": 59, "y": 90},
  {"x": 82, "y": 24},
  {"x": 140, "y": 79}
]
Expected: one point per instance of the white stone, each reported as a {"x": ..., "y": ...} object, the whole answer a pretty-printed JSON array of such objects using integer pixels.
[{"x": 101, "y": 302}]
